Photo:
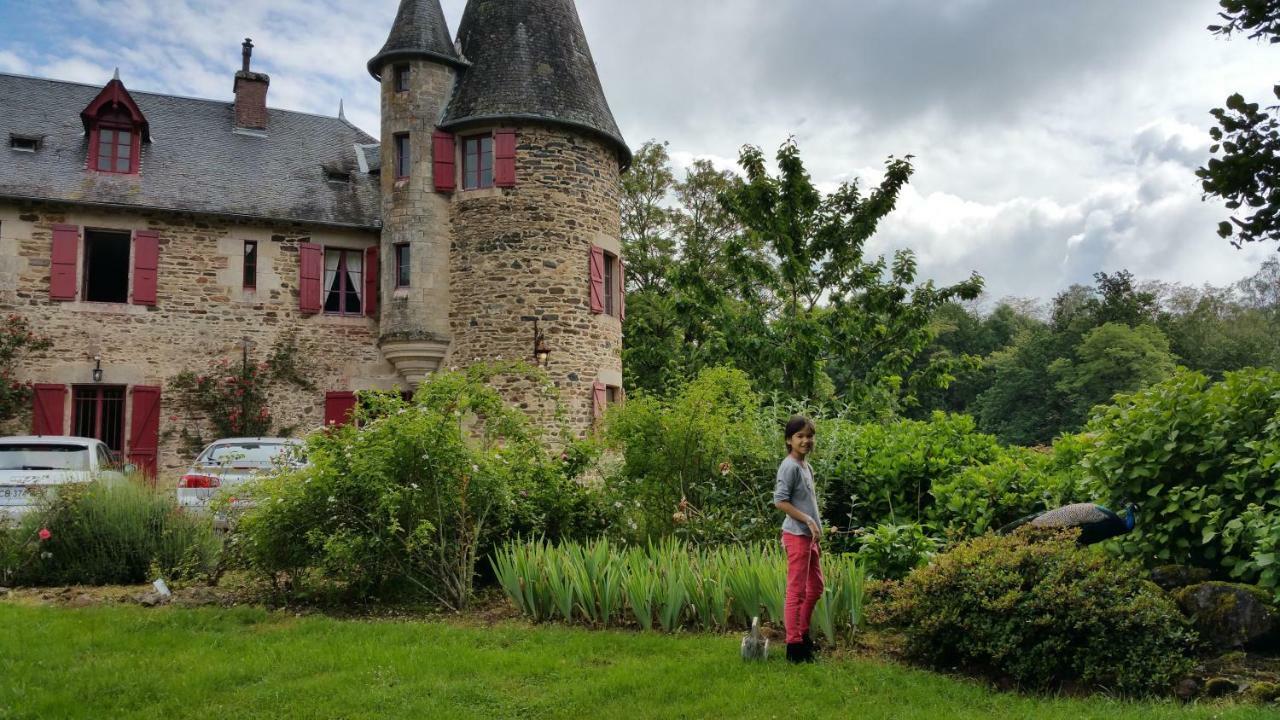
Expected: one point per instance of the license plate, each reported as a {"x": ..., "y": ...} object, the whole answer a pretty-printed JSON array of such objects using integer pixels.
[{"x": 15, "y": 495}]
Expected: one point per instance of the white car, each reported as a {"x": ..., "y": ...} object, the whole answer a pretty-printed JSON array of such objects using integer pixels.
[
  {"x": 30, "y": 466},
  {"x": 225, "y": 464}
]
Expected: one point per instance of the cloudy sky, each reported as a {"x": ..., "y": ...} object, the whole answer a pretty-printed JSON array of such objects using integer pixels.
[{"x": 1053, "y": 138}]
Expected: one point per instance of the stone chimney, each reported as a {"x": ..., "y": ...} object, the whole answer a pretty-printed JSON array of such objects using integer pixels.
[{"x": 251, "y": 93}]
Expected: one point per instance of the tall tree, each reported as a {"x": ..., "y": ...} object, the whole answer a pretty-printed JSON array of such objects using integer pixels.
[
  {"x": 647, "y": 244},
  {"x": 1246, "y": 168},
  {"x": 813, "y": 295}
]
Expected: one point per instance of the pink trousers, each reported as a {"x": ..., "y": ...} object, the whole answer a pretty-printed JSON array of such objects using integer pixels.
[{"x": 804, "y": 584}]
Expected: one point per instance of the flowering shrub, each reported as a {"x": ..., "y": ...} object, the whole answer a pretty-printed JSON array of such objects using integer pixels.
[
  {"x": 16, "y": 338},
  {"x": 233, "y": 397},
  {"x": 403, "y": 501}
]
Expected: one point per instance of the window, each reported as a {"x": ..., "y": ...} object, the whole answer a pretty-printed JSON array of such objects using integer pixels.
[
  {"x": 402, "y": 78},
  {"x": 612, "y": 394},
  {"x": 342, "y": 281},
  {"x": 30, "y": 456},
  {"x": 404, "y": 158},
  {"x": 402, "y": 265},
  {"x": 337, "y": 176},
  {"x": 98, "y": 412},
  {"x": 250, "y": 264},
  {"x": 477, "y": 162},
  {"x": 24, "y": 144},
  {"x": 106, "y": 268},
  {"x": 610, "y": 284},
  {"x": 115, "y": 150}
]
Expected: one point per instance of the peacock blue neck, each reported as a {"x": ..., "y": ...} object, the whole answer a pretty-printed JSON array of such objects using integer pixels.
[{"x": 1128, "y": 518}]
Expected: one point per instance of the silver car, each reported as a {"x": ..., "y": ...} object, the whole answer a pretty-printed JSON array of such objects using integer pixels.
[
  {"x": 225, "y": 464},
  {"x": 31, "y": 466}
]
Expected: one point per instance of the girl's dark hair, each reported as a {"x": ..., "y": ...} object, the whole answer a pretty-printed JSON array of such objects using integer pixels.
[{"x": 795, "y": 425}]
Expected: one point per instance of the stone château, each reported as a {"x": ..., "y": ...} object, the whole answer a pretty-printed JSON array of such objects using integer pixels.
[{"x": 148, "y": 234}]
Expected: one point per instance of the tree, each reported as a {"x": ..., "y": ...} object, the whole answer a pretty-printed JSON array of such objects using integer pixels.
[
  {"x": 1246, "y": 171},
  {"x": 646, "y": 221},
  {"x": 831, "y": 320},
  {"x": 16, "y": 339},
  {"x": 1112, "y": 358}
]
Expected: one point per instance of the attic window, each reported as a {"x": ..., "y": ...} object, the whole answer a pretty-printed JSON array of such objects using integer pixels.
[
  {"x": 24, "y": 144},
  {"x": 337, "y": 176}
]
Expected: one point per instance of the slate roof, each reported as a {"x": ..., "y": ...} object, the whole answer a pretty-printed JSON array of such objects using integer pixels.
[
  {"x": 419, "y": 30},
  {"x": 194, "y": 162},
  {"x": 529, "y": 61}
]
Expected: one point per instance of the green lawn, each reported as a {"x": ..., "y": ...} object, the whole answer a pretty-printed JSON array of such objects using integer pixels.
[{"x": 127, "y": 662}]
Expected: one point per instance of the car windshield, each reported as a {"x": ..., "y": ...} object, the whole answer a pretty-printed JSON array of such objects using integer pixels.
[
  {"x": 44, "y": 457},
  {"x": 245, "y": 454}
]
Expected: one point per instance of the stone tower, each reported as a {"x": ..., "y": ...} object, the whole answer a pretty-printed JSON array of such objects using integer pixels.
[{"x": 527, "y": 226}]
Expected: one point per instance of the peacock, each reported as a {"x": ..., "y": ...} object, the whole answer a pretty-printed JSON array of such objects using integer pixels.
[{"x": 1096, "y": 523}]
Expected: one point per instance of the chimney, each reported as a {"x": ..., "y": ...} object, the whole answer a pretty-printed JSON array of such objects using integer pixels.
[{"x": 251, "y": 93}]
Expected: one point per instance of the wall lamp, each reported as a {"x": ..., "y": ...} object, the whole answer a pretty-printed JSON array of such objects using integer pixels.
[
  {"x": 97, "y": 368},
  {"x": 541, "y": 353}
]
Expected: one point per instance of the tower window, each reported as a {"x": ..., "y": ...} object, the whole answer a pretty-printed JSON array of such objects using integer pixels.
[
  {"x": 106, "y": 266},
  {"x": 343, "y": 270},
  {"x": 477, "y": 162},
  {"x": 610, "y": 284},
  {"x": 404, "y": 158},
  {"x": 250, "y": 264},
  {"x": 402, "y": 265},
  {"x": 402, "y": 78}
]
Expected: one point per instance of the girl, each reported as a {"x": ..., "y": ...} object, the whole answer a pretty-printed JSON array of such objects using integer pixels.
[{"x": 794, "y": 495}]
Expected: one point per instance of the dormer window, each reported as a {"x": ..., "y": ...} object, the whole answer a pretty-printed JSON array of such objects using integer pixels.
[{"x": 116, "y": 129}]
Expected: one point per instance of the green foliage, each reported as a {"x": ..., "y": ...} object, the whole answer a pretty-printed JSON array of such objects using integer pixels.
[
  {"x": 1017, "y": 483},
  {"x": 103, "y": 533},
  {"x": 16, "y": 338},
  {"x": 1112, "y": 358},
  {"x": 669, "y": 585},
  {"x": 1044, "y": 613},
  {"x": 646, "y": 221},
  {"x": 699, "y": 466},
  {"x": 1246, "y": 169},
  {"x": 1194, "y": 455},
  {"x": 404, "y": 503},
  {"x": 889, "y": 551},
  {"x": 875, "y": 472},
  {"x": 1252, "y": 542}
]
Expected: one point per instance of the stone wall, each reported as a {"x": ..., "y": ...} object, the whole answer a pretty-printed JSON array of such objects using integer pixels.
[
  {"x": 203, "y": 313},
  {"x": 522, "y": 253}
]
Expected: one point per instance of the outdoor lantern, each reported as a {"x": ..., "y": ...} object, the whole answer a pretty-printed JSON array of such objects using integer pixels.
[
  {"x": 540, "y": 350},
  {"x": 97, "y": 368}
]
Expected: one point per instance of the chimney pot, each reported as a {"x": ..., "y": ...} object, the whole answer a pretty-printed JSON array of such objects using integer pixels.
[{"x": 246, "y": 53}]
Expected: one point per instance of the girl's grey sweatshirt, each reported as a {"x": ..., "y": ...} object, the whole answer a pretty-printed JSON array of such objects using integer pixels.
[{"x": 795, "y": 485}]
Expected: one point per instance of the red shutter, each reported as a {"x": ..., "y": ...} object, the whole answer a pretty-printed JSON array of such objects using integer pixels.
[
  {"x": 47, "y": 416},
  {"x": 622, "y": 290},
  {"x": 442, "y": 162},
  {"x": 144, "y": 430},
  {"x": 598, "y": 399},
  {"x": 338, "y": 407},
  {"x": 372, "y": 275},
  {"x": 146, "y": 260},
  {"x": 504, "y": 158},
  {"x": 62, "y": 278},
  {"x": 310, "y": 267},
  {"x": 597, "y": 280}
]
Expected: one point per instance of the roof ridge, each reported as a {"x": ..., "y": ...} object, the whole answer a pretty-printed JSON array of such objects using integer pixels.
[{"x": 181, "y": 97}]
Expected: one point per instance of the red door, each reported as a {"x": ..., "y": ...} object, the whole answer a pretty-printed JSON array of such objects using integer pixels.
[{"x": 144, "y": 430}]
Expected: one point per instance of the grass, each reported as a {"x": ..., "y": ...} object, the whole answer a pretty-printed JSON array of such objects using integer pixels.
[{"x": 127, "y": 662}]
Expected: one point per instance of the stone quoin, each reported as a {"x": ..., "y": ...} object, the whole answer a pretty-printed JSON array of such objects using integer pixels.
[{"x": 149, "y": 234}]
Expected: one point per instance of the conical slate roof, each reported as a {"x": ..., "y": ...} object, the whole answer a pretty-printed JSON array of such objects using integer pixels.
[
  {"x": 530, "y": 61},
  {"x": 419, "y": 31}
]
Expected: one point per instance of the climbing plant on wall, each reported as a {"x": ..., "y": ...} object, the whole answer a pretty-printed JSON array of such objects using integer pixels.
[{"x": 16, "y": 338}]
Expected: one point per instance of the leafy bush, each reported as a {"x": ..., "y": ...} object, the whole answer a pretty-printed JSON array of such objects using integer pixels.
[
  {"x": 698, "y": 466},
  {"x": 16, "y": 338},
  {"x": 1194, "y": 456},
  {"x": 669, "y": 585},
  {"x": 890, "y": 551},
  {"x": 404, "y": 504},
  {"x": 1017, "y": 483},
  {"x": 877, "y": 472},
  {"x": 1043, "y": 612},
  {"x": 1252, "y": 542},
  {"x": 102, "y": 533}
]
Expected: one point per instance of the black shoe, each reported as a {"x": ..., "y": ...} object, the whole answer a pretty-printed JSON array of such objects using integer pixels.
[
  {"x": 796, "y": 652},
  {"x": 809, "y": 646}
]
